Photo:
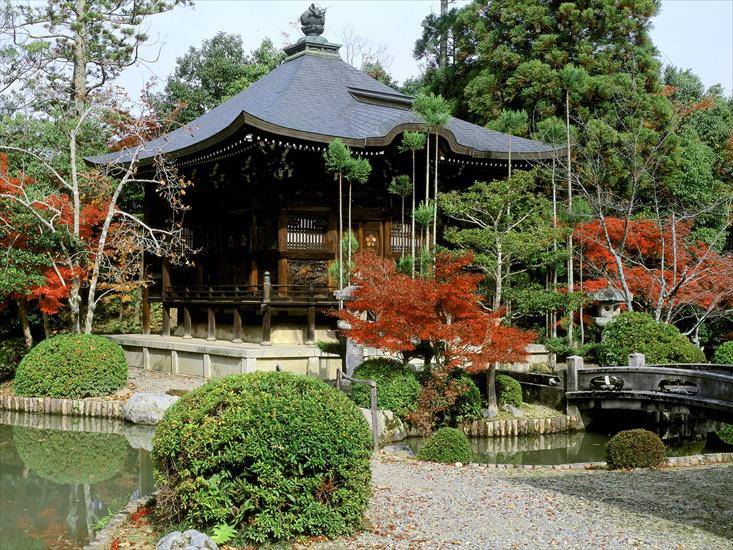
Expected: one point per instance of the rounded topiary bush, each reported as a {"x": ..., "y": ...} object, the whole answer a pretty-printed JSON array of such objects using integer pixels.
[
  {"x": 11, "y": 353},
  {"x": 724, "y": 354},
  {"x": 468, "y": 406},
  {"x": 397, "y": 386},
  {"x": 71, "y": 457},
  {"x": 508, "y": 391},
  {"x": 636, "y": 332},
  {"x": 447, "y": 445},
  {"x": 273, "y": 454},
  {"x": 72, "y": 365},
  {"x": 635, "y": 449}
]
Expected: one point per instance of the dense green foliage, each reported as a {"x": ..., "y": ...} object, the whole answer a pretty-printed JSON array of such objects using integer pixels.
[
  {"x": 468, "y": 405},
  {"x": 275, "y": 455},
  {"x": 11, "y": 353},
  {"x": 726, "y": 434},
  {"x": 397, "y": 386},
  {"x": 447, "y": 445},
  {"x": 71, "y": 457},
  {"x": 207, "y": 76},
  {"x": 637, "y": 332},
  {"x": 724, "y": 354},
  {"x": 635, "y": 449},
  {"x": 508, "y": 391},
  {"x": 72, "y": 365}
]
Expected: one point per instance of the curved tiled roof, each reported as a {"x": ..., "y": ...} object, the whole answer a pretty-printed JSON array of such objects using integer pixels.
[{"x": 317, "y": 96}]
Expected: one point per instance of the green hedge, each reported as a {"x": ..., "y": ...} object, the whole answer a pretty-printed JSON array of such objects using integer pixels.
[
  {"x": 11, "y": 353},
  {"x": 724, "y": 354},
  {"x": 73, "y": 366},
  {"x": 635, "y": 449},
  {"x": 635, "y": 332},
  {"x": 726, "y": 434},
  {"x": 71, "y": 457},
  {"x": 397, "y": 386},
  {"x": 273, "y": 454},
  {"x": 447, "y": 445},
  {"x": 468, "y": 406},
  {"x": 508, "y": 391}
]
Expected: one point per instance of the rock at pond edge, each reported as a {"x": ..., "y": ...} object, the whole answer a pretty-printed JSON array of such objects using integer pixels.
[{"x": 147, "y": 408}]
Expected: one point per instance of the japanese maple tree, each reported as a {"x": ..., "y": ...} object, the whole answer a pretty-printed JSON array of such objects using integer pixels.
[
  {"x": 444, "y": 314},
  {"x": 670, "y": 274}
]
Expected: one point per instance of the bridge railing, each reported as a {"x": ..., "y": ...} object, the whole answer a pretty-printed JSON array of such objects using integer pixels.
[{"x": 637, "y": 381}]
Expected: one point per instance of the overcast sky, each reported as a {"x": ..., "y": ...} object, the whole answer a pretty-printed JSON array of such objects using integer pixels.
[{"x": 695, "y": 34}]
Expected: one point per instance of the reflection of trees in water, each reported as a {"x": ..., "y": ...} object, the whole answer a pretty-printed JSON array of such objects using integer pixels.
[{"x": 46, "y": 506}]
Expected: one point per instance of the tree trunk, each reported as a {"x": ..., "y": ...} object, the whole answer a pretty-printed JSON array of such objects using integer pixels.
[
  {"x": 23, "y": 315},
  {"x": 435, "y": 200},
  {"x": 571, "y": 285},
  {"x": 510, "y": 156},
  {"x": 491, "y": 402},
  {"x": 427, "y": 183},
  {"x": 412, "y": 224},
  {"x": 79, "y": 91},
  {"x": 498, "y": 273},
  {"x": 348, "y": 237},
  {"x": 341, "y": 238},
  {"x": 443, "y": 53},
  {"x": 46, "y": 325}
]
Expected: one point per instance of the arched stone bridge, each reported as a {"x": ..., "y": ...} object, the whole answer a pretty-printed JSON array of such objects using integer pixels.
[{"x": 677, "y": 389}]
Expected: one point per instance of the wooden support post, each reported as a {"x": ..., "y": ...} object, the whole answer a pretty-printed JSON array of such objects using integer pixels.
[
  {"x": 166, "y": 325},
  {"x": 310, "y": 331},
  {"x": 146, "y": 312},
  {"x": 187, "y": 323},
  {"x": 237, "y": 326},
  {"x": 574, "y": 363},
  {"x": 282, "y": 276},
  {"x": 266, "y": 311},
  {"x": 211, "y": 325},
  {"x": 266, "y": 325}
]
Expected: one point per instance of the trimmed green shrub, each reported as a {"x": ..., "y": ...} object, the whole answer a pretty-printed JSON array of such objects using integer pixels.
[
  {"x": 724, "y": 354},
  {"x": 273, "y": 454},
  {"x": 397, "y": 386},
  {"x": 447, "y": 445},
  {"x": 468, "y": 406},
  {"x": 508, "y": 391},
  {"x": 71, "y": 457},
  {"x": 636, "y": 332},
  {"x": 11, "y": 353},
  {"x": 726, "y": 434},
  {"x": 72, "y": 365},
  {"x": 635, "y": 449}
]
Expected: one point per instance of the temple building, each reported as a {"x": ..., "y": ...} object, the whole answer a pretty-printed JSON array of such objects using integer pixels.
[{"x": 264, "y": 209}]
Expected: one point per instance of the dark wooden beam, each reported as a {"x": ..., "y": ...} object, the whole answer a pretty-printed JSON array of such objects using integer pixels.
[
  {"x": 211, "y": 325},
  {"x": 166, "y": 325},
  {"x": 310, "y": 332},
  {"x": 186, "y": 323},
  {"x": 237, "y": 326}
]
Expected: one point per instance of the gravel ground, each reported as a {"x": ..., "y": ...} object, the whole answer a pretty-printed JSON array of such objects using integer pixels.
[{"x": 432, "y": 506}]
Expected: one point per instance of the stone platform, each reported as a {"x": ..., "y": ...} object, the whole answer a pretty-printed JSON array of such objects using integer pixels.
[{"x": 219, "y": 358}]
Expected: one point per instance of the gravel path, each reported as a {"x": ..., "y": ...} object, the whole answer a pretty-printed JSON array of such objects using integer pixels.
[{"x": 432, "y": 506}]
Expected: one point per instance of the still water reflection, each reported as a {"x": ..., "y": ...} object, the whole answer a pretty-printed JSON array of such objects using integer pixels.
[{"x": 60, "y": 477}]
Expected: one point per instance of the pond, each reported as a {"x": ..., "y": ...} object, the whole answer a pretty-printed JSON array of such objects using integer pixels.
[
  {"x": 565, "y": 448},
  {"x": 62, "y": 477}
]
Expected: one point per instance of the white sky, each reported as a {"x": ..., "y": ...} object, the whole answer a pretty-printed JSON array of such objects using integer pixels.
[{"x": 695, "y": 34}]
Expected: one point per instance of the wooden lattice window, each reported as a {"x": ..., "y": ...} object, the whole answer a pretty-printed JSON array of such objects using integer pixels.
[
  {"x": 307, "y": 232},
  {"x": 400, "y": 238}
]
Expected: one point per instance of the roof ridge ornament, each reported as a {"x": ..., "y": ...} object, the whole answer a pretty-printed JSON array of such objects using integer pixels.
[{"x": 313, "y": 20}]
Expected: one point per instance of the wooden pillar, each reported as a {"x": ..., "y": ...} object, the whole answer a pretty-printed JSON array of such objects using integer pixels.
[
  {"x": 254, "y": 275},
  {"x": 266, "y": 311},
  {"x": 166, "y": 325},
  {"x": 237, "y": 326},
  {"x": 310, "y": 333},
  {"x": 146, "y": 311},
  {"x": 387, "y": 238},
  {"x": 282, "y": 276},
  {"x": 211, "y": 325},
  {"x": 165, "y": 277},
  {"x": 186, "y": 322}
]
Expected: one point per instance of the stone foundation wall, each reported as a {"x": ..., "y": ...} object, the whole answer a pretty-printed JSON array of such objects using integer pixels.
[
  {"x": 68, "y": 407},
  {"x": 522, "y": 426}
]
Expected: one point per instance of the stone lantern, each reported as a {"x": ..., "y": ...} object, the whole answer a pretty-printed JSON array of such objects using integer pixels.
[{"x": 609, "y": 304}]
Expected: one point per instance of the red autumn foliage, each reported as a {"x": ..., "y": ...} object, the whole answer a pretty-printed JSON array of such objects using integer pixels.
[
  {"x": 395, "y": 313},
  {"x": 55, "y": 291},
  {"x": 446, "y": 312},
  {"x": 662, "y": 265}
]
